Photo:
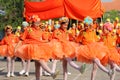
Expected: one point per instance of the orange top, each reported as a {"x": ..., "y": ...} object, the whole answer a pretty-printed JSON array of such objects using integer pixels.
[
  {"x": 46, "y": 35},
  {"x": 72, "y": 34},
  {"x": 10, "y": 39},
  {"x": 115, "y": 24},
  {"x": 31, "y": 35},
  {"x": 118, "y": 31},
  {"x": 60, "y": 35},
  {"x": 87, "y": 37},
  {"x": 110, "y": 40},
  {"x": 95, "y": 26}
]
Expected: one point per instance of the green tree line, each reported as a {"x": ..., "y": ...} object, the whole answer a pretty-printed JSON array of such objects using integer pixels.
[{"x": 13, "y": 12}]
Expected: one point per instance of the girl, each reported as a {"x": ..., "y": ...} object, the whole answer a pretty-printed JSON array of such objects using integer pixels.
[
  {"x": 32, "y": 47},
  {"x": 25, "y": 64},
  {"x": 91, "y": 51},
  {"x": 8, "y": 43},
  {"x": 109, "y": 38},
  {"x": 63, "y": 49}
]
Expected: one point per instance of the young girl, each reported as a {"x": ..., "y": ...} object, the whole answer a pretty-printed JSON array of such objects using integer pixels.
[
  {"x": 91, "y": 51},
  {"x": 8, "y": 43},
  {"x": 25, "y": 63},
  {"x": 32, "y": 47},
  {"x": 63, "y": 49},
  {"x": 109, "y": 39}
]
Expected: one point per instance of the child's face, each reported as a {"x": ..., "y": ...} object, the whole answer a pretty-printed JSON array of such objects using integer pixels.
[
  {"x": 8, "y": 31},
  {"x": 106, "y": 31},
  {"x": 64, "y": 26}
]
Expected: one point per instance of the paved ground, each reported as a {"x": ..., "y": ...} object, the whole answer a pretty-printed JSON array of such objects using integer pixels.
[{"x": 74, "y": 76}]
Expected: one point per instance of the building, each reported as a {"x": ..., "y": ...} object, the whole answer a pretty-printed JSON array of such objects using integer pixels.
[{"x": 111, "y": 4}]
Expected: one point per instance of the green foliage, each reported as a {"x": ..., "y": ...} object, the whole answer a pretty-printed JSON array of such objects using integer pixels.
[
  {"x": 13, "y": 12},
  {"x": 111, "y": 14}
]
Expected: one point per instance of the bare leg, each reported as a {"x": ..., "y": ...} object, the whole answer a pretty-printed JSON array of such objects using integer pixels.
[
  {"x": 113, "y": 67},
  {"x": 64, "y": 69},
  {"x": 72, "y": 64},
  {"x": 27, "y": 66},
  {"x": 23, "y": 64},
  {"x": 75, "y": 66},
  {"x": 97, "y": 61},
  {"x": 117, "y": 67},
  {"x": 94, "y": 70},
  {"x": 54, "y": 65},
  {"x": 37, "y": 70},
  {"x": 41, "y": 71},
  {"x": 45, "y": 66},
  {"x": 23, "y": 67},
  {"x": 12, "y": 66},
  {"x": 8, "y": 66}
]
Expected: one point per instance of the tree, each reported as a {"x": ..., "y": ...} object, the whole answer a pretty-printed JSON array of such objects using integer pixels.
[
  {"x": 111, "y": 14},
  {"x": 13, "y": 13}
]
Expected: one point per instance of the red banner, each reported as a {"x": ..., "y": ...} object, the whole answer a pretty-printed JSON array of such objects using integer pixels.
[{"x": 74, "y": 9}]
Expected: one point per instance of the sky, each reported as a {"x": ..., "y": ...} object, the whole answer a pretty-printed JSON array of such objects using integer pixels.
[{"x": 106, "y": 0}]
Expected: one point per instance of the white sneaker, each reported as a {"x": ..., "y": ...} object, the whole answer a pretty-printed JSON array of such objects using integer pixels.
[
  {"x": 46, "y": 73},
  {"x": 8, "y": 75},
  {"x": 69, "y": 73},
  {"x": 26, "y": 74},
  {"x": 12, "y": 75},
  {"x": 22, "y": 72}
]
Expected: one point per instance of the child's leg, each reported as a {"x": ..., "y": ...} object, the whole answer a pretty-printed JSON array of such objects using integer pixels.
[
  {"x": 97, "y": 61},
  {"x": 117, "y": 67},
  {"x": 41, "y": 71},
  {"x": 45, "y": 66},
  {"x": 13, "y": 66},
  {"x": 113, "y": 68},
  {"x": 94, "y": 70},
  {"x": 23, "y": 64},
  {"x": 27, "y": 67},
  {"x": 23, "y": 67},
  {"x": 37, "y": 70},
  {"x": 72, "y": 64},
  {"x": 64, "y": 69},
  {"x": 54, "y": 65},
  {"x": 8, "y": 66}
]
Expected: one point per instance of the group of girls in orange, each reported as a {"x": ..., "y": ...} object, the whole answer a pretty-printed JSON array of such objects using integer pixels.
[{"x": 41, "y": 42}]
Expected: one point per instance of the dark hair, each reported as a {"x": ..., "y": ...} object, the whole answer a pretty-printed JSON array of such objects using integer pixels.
[
  {"x": 8, "y": 27},
  {"x": 63, "y": 23}
]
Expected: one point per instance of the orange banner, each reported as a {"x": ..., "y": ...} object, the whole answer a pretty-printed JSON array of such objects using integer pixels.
[{"x": 74, "y": 9}]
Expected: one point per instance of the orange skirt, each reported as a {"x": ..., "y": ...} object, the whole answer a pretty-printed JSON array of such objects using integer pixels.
[
  {"x": 7, "y": 50},
  {"x": 114, "y": 56},
  {"x": 34, "y": 51},
  {"x": 86, "y": 53},
  {"x": 62, "y": 49}
]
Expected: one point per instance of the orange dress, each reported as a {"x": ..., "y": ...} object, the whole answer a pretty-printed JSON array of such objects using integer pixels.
[
  {"x": 95, "y": 25},
  {"x": 33, "y": 47},
  {"x": 118, "y": 36},
  {"x": 115, "y": 24},
  {"x": 72, "y": 34},
  {"x": 90, "y": 48},
  {"x": 7, "y": 45},
  {"x": 110, "y": 42},
  {"x": 61, "y": 45},
  {"x": 46, "y": 35}
]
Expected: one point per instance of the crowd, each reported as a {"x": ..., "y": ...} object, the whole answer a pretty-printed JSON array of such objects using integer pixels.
[{"x": 87, "y": 41}]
